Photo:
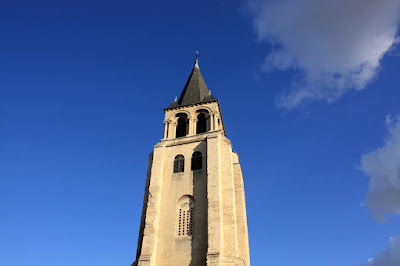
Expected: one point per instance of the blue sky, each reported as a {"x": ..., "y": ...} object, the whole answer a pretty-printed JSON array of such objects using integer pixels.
[{"x": 83, "y": 85}]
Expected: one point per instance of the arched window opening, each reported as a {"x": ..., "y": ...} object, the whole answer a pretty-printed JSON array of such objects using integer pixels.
[
  {"x": 185, "y": 216},
  {"x": 181, "y": 127},
  {"x": 197, "y": 161},
  {"x": 203, "y": 122},
  {"x": 179, "y": 163}
]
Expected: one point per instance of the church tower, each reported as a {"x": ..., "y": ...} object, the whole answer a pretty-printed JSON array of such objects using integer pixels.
[{"x": 194, "y": 210}]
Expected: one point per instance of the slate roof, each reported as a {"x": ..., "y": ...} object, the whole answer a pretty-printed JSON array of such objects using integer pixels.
[{"x": 195, "y": 90}]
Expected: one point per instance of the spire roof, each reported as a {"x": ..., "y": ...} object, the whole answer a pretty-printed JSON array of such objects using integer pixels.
[{"x": 195, "y": 90}]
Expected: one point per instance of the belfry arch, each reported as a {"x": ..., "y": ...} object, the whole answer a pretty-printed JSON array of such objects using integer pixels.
[
  {"x": 182, "y": 125},
  {"x": 203, "y": 121}
]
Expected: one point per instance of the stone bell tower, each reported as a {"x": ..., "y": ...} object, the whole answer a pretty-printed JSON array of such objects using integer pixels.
[{"x": 194, "y": 210}]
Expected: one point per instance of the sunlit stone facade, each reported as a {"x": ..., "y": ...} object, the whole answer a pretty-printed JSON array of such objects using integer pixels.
[{"x": 194, "y": 210}]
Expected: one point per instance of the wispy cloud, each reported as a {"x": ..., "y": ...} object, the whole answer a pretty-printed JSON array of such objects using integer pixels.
[
  {"x": 383, "y": 167},
  {"x": 389, "y": 256},
  {"x": 336, "y": 45}
]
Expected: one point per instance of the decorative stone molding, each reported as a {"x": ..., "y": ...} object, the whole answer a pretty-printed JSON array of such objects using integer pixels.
[
  {"x": 205, "y": 107},
  {"x": 213, "y": 259},
  {"x": 186, "y": 202},
  {"x": 172, "y": 116}
]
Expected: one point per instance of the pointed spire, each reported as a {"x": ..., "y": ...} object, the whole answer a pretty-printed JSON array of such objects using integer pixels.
[
  {"x": 196, "y": 64},
  {"x": 195, "y": 90}
]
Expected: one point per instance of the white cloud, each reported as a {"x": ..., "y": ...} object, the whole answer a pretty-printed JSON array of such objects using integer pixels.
[
  {"x": 383, "y": 167},
  {"x": 336, "y": 45},
  {"x": 389, "y": 256}
]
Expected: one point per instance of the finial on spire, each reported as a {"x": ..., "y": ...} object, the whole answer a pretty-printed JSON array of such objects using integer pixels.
[
  {"x": 197, "y": 58},
  {"x": 176, "y": 99}
]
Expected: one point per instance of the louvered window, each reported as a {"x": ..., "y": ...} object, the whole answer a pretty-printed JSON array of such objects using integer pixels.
[
  {"x": 179, "y": 163},
  {"x": 185, "y": 216}
]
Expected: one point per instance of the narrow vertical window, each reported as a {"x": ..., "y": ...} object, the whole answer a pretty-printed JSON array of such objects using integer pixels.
[
  {"x": 197, "y": 161},
  {"x": 201, "y": 125},
  {"x": 179, "y": 163},
  {"x": 185, "y": 216},
  {"x": 181, "y": 127},
  {"x": 203, "y": 121}
]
